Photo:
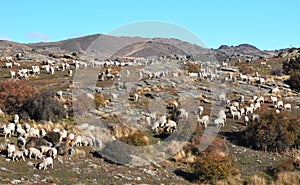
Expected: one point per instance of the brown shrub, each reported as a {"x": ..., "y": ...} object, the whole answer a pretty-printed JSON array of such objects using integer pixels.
[
  {"x": 274, "y": 132},
  {"x": 13, "y": 94}
]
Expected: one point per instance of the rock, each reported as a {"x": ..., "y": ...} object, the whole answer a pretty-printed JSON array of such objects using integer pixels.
[
  {"x": 30, "y": 164},
  {"x": 7, "y": 159}
]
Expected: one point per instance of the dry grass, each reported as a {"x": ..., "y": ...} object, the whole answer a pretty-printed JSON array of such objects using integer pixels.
[{"x": 287, "y": 178}]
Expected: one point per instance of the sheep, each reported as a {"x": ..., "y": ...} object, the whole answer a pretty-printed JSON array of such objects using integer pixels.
[
  {"x": 33, "y": 151},
  {"x": 33, "y": 132},
  {"x": 273, "y": 99},
  {"x": 8, "y": 130},
  {"x": 249, "y": 110},
  {"x": 43, "y": 132},
  {"x": 44, "y": 149},
  {"x": 26, "y": 127},
  {"x": 8, "y": 65},
  {"x": 288, "y": 106},
  {"x": 236, "y": 104},
  {"x": 12, "y": 74},
  {"x": 18, "y": 155},
  {"x": 46, "y": 162},
  {"x": 222, "y": 115},
  {"x": 255, "y": 117},
  {"x": 171, "y": 126},
  {"x": 71, "y": 136},
  {"x": 200, "y": 109},
  {"x": 246, "y": 120},
  {"x": 63, "y": 135},
  {"x": 70, "y": 72},
  {"x": 256, "y": 106},
  {"x": 77, "y": 141},
  {"x": 219, "y": 122},
  {"x": 11, "y": 148},
  {"x": 163, "y": 120},
  {"x": 20, "y": 132},
  {"x": 232, "y": 108},
  {"x": 260, "y": 100},
  {"x": 279, "y": 104},
  {"x": 237, "y": 113},
  {"x": 52, "y": 152},
  {"x": 204, "y": 120},
  {"x": 16, "y": 118},
  {"x": 148, "y": 120},
  {"x": 155, "y": 126},
  {"x": 183, "y": 114}
]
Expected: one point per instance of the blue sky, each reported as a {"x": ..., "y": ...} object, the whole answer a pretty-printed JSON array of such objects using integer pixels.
[{"x": 266, "y": 24}]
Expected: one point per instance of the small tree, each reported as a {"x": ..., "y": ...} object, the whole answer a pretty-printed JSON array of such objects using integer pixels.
[{"x": 43, "y": 107}]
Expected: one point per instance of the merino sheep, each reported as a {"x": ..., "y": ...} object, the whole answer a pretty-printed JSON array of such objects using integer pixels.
[
  {"x": 11, "y": 148},
  {"x": 200, "y": 109},
  {"x": 204, "y": 120},
  {"x": 288, "y": 106},
  {"x": 18, "y": 155},
  {"x": 33, "y": 151},
  {"x": 47, "y": 162}
]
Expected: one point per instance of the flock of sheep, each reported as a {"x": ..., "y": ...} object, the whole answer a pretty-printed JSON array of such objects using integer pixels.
[{"x": 30, "y": 142}]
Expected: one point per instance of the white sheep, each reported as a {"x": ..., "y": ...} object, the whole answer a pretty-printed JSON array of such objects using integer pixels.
[
  {"x": 279, "y": 104},
  {"x": 77, "y": 141},
  {"x": 70, "y": 72},
  {"x": 183, "y": 114},
  {"x": 26, "y": 127},
  {"x": 18, "y": 155},
  {"x": 44, "y": 149},
  {"x": 273, "y": 99},
  {"x": 12, "y": 74},
  {"x": 43, "y": 132},
  {"x": 249, "y": 110},
  {"x": 16, "y": 118},
  {"x": 236, "y": 114},
  {"x": 260, "y": 100},
  {"x": 222, "y": 115},
  {"x": 255, "y": 117},
  {"x": 200, "y": 109},
  {"x": 11, "y": 148},
  {"x": 33, "y": 151},
  {"x": 219, "y": 122},
  {"x": 155, "y": 126},
  {"x": 20, "y": 131},
  {"x": 288, "y": 106},
  {"x": 204, "y": 120},
  {"x": 52, "y": 152},
  {"x": 148, "y": 120},
  {"x": 256, "y": 106},
  {"x": 63, "y": 134},
  {"x": 136, "y": 97},
  {"x": 71, "y": 136},
  {"x": 171, "y": 126},
  {"x": 33, "y": 132},
  {"x": 47, "y": 162},
  {"x": 246, "y": 120}
]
